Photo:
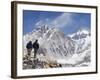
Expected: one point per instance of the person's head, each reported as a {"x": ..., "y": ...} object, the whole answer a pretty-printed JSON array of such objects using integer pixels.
[
  {"x": 30, "y": 41},
  {"x": 36, "y": 40}
]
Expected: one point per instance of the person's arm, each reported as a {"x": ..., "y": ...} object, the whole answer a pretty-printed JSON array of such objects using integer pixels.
[
  {"x": 33, "y": 45},
  {"x": 27, "y": 46},
  {"x": 38, "y": 46}
]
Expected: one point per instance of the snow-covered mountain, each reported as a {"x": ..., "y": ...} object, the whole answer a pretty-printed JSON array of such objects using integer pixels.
[
  {"x": 80, "y": 34},
  {"x": 52, "y": 42},
  {"x": 83, "y": 53},
  {"x": 83, "y": 39},
  {"x": 73, "y": 49}
]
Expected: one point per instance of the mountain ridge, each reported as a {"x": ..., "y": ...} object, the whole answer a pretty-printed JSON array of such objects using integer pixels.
[{"x": 56, "y": 45}]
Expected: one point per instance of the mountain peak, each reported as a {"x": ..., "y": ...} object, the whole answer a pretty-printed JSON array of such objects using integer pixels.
[
  {"x": 43, "y": 28},
  {"x": 81, "y": 33}
]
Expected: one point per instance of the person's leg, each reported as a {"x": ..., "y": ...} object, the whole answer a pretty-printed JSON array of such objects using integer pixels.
[
  {"x": 35, "y": 51},
  {"x": 29, "y": 52},
  {"x": 34, "y": 61}
]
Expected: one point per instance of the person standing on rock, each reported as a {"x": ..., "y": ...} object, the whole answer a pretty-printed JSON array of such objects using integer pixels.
[
  {"x": 29, "y": 48},
  {"x": 36, "y": 47}
]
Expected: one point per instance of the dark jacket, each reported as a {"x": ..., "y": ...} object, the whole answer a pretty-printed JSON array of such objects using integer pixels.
[
  {"x": 29, "y": 45},
  {"x": 36, "y": 45}
]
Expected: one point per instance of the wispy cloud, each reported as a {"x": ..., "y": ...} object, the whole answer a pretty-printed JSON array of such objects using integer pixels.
[
  {"x": 43, "y": 22},
  {"x": 39, "y": 23},
  {"x": 61, "y": 21}
]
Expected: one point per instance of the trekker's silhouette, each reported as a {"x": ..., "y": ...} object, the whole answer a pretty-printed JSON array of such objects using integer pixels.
[
  {"x": 29, "y": 47},
  {"x": 36, "y": 47}
]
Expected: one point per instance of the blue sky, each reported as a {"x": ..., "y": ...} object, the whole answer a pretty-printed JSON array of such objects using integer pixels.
[{"x": 67, "y": 22}]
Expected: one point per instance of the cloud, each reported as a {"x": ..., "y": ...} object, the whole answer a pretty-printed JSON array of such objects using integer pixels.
[
  {"x": 62, "y": 20},
  {"x": 39, "y": 23},
  {"x": 43, "y": 22}
]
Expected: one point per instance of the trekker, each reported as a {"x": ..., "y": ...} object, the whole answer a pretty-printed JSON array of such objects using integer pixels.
[
  {"x": 29, "y": 47},
  {"x": 36, "y": 47}
]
